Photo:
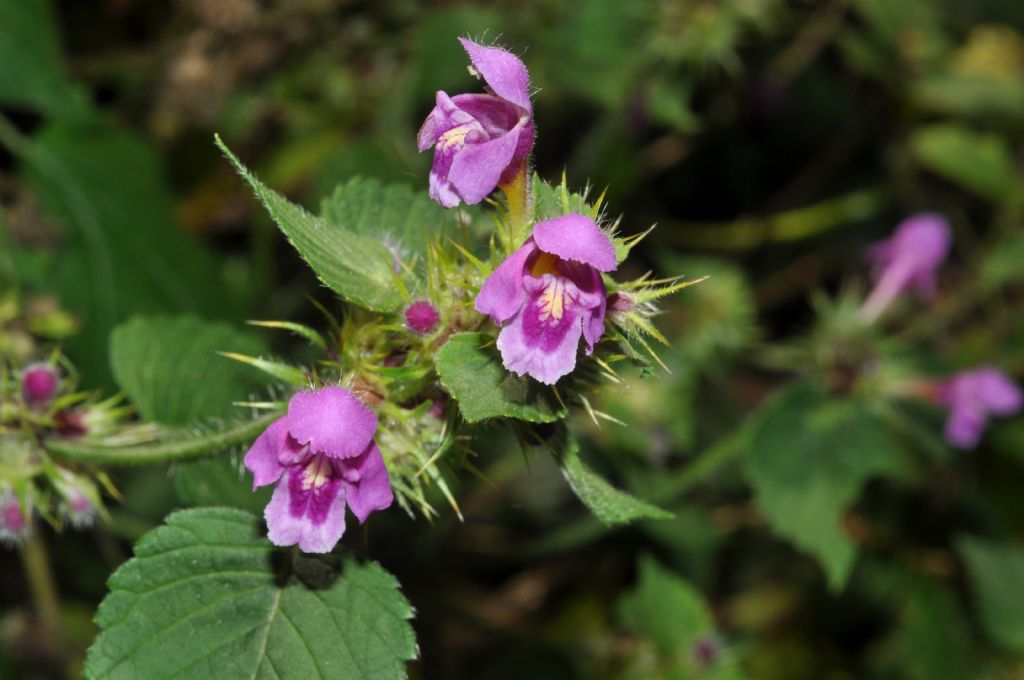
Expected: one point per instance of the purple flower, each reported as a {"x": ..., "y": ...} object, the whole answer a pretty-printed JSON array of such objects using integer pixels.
[
  {"x": 907, "y": 259},
  {"x": 548, "y": 293},
  {"x": 39, "y": 383},
  {"x": 323, "y": 457},
  {"x": 421, "y": 317},
  {"x": 971, "y": 397},
  {"x": 14, "y": 518},
  {"x": 480, "y": 140}
]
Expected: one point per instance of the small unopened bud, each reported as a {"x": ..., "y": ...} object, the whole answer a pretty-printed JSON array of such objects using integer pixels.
[
  {"x": 39, "y": 383},
  {"x": 79, "y": 510},
  {"x": 421, "y": 317},
  {"x": 706, "y": 650},
  {"x": 14, "y": 520},
  {"x": 621, "y": 302}
]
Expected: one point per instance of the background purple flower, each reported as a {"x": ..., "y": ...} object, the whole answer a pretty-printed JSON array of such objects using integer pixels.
[
  {"x": 972, "y": 396},
  {"x": 480, "y": 140},
  {"x": 547, "y": 294},
  {"x": 15, "y": 524},
  {"x": 322, "y": 457},
  {"x": 909, "y": 258}
]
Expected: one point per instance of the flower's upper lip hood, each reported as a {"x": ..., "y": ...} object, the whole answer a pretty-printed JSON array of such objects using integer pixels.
[
  {"x": 578, "y": 238},
  {"x": 503, "y": 72}
]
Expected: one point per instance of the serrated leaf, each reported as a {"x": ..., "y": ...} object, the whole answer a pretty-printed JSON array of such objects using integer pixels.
[
  {"x": 610, "y": 505},
  {"x": 393, "y": 214},
  {"x": 356, "y": 266},
  {"x": 979, "y": 162},
  {"x": 809, "y": 456},
  {"x": 996, "y": 574},
  {"x": 473, "y": 374},
  {"x": 205, "y": 597}
]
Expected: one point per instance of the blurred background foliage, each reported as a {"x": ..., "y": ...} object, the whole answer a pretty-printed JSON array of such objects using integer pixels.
[{"x": 770, "y": 141}]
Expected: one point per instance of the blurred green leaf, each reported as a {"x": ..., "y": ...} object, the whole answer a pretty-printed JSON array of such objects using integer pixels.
[
  {"x": 205, "y": 596},
  {"x": 979, "y": 162},
  {"x": 995, "y": 572},
  {"x": 809, "y": 456},
  {"x": 33, "y": 73},
  {"x": 473, "y": 374},
  {"x": 608, "y": 504},
  {"x": 666, "y": 609},
  {"x": 122, "y": 253},
  {"x": 354, "y": 265}
]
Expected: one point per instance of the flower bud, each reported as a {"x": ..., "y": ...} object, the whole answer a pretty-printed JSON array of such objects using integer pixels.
[
  {"x": 421, "y": 317},
  {"x": 15, "y": 522},
  {"x": 621, "y": 302},
  {"x": 706, "y": 650},
  {"x": 39, "y": 383}
]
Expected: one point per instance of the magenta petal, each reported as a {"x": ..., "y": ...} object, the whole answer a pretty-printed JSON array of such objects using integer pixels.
[
  {"x": 332, "y": 421},
  {"x": 593, "y": 325},
  {"x": 997, "y": 392},
  {"x": 262, "y": 457},
  {"x": 539, "y": 344},
  {"x": 503, "y": 72},
  {"x": 965, "y": 425},
  {"x": 308, "y": 515},
  {"x": 577, "y": 238},
  {"x": 503, "y": 294},
  {"x": 370, "y": 486},
  {"x": 476, "y": 168}
]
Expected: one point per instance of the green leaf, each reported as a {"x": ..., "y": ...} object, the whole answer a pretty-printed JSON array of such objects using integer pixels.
[
  {"x": 608, "y": 504},
  {"x": 34, "y": 75},
  {"x": 169, "y": 368},
  {"x": 666, "y": 609},
  {"x": 205, "y": 597},
  {"x": 809, "y": 456},
  {"x": 996, "y": 574},
  {"x": 356, "y": 266},
  {"x": 979, "y": 162},
  {"x": 473, "y": 374},
  {"x": 393, "y": 214}
]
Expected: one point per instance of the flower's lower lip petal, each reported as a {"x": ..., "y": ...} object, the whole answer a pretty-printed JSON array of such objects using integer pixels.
[
  {"x": 313, "y": 518},
  {"x": 372, "y": 491},
  {"x": 542, "y": 340}
]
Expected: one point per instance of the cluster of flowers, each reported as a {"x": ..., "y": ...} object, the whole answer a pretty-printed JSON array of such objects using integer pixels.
[
  {"x": 910, "y": 259},
  {"x": 35, "y": 408},
  {"x": 545, "y": 297}
]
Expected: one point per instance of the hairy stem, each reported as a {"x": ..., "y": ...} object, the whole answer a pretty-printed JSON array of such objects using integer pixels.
[
  {"x": 161, "y": 452},
  {"x": 42, "y": 586}
]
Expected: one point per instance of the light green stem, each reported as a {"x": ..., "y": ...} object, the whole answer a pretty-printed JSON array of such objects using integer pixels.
[{"x": 42, "y": 586}]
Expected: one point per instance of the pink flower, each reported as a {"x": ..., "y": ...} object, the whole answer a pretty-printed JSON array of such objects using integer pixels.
[
  {"x": 322, "y": 457},
  {"x": 972, "y": 396},
  {"x": 15, "y": 524},
  {"x": 39, "y": 383},
  {"x": 480, "y": 140},
  {"x": 909, "y": 258},
  {"x": 549, "y": 293}
]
